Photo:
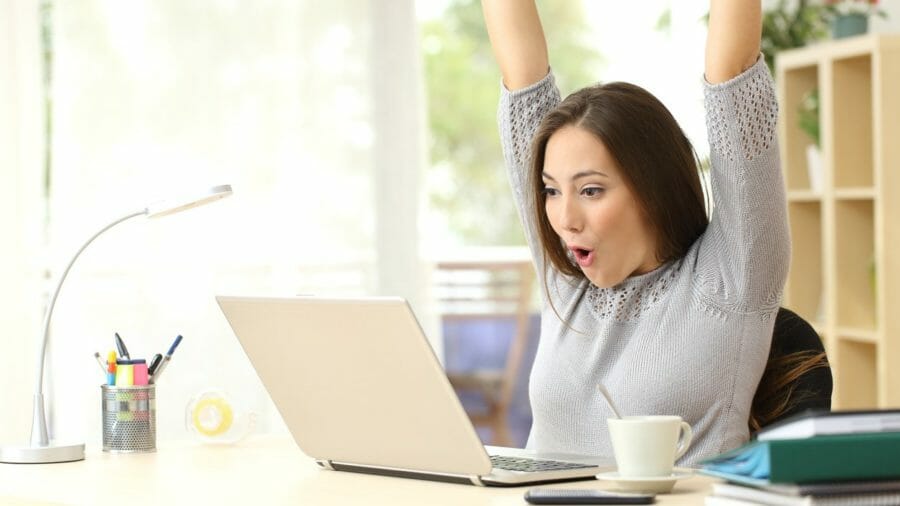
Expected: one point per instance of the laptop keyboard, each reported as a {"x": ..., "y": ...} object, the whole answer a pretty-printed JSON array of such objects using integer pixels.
[{"x": 527, "y": 465}]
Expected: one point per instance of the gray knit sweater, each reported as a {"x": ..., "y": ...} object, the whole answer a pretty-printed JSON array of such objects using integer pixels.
[{"x": 690, "y": 338}]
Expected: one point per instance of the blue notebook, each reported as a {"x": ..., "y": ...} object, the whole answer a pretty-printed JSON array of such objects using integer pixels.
[{"x": 816, "y": 459}]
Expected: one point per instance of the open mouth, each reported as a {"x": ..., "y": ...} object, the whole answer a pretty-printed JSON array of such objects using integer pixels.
[{"x": 583, "y": 256}]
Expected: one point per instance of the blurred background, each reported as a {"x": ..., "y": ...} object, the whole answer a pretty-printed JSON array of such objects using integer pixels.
[{"x": 361, "y": 142}]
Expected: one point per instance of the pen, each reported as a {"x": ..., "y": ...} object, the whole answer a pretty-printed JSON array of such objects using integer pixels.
[
  {"x": 123, "y": 351},
  {"x": 102, "y": 365},
  {"x": 165, "y": 361},
  {"x": 174, "y": 345}
]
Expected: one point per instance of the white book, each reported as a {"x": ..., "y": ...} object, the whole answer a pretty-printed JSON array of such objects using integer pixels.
[
  {"x": 713, "y": 500},
  {"x": 750, "y": 495},
  {"x": 819, "y": 423}
]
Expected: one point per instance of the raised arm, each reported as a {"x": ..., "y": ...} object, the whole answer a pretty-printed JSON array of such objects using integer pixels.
[
  {"x": 518, "y": 41},
  {"x": 732, "y": 44}
]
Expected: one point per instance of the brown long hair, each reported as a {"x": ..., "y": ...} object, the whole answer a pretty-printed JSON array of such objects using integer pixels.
[
  {"x": 656, "y": 159},
  {"x": 778, "y": 394},
  {"x": 777, "y": 390}
]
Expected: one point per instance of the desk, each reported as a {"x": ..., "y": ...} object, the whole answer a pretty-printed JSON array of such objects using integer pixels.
[{"x": 262, "y": 471}]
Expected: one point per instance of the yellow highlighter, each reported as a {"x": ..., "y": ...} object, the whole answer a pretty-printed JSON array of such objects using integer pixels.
[{"x": 124, "y": 373}]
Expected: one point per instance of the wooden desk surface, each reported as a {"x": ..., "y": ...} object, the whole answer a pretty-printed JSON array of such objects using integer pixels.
[{"x": 262, "y": 471}]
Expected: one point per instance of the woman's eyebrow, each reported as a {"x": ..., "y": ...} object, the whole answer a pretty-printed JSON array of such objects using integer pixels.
[
  {"x": 578, "y": 175},
  {"x": 586, "y": 173}
]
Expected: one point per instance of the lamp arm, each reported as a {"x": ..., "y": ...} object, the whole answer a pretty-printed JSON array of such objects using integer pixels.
[{"x": 39, "y": 435}]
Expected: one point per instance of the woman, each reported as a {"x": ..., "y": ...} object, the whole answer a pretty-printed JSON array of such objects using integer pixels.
[{"x": 671, "y": 312}]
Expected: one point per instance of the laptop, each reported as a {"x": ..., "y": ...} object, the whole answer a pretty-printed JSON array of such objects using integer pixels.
[{"x": 361, "y": 390}]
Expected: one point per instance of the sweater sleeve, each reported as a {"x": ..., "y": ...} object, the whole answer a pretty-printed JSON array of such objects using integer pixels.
[
  {"x": 519, "y": 115},
  {"x": 743, "y": 257}
]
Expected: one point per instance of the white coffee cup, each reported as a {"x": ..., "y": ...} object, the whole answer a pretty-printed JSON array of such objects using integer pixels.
[{"x": 648, "y": 446}]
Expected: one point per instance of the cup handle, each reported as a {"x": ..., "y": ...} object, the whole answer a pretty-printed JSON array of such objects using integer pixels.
[{"x": 684, "y": 440}]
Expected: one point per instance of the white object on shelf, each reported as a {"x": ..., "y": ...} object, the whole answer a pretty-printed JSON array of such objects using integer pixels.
[{"x": 815, "y": 167}]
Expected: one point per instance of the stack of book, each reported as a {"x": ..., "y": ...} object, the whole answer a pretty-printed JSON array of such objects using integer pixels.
[{"x": 816, "y": 458}]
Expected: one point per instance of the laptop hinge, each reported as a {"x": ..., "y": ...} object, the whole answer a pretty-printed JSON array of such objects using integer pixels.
[
  {"x": 326, "y": 464},
  {"x": 406, "y": 473}
]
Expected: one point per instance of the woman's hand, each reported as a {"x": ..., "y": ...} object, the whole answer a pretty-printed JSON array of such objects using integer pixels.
[
  {"x": 518, "y": 41},
  {"x": 732, "y": 44}
]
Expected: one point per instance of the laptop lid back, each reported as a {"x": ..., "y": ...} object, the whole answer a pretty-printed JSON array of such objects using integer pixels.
[{"x": 356, "y": 381}]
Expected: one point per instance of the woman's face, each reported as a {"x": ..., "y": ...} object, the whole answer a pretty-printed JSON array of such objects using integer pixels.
[{"x": 593, "y": 211}]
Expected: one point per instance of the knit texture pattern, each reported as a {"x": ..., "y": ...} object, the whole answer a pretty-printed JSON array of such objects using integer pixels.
[{"x": 690, "y": 338}]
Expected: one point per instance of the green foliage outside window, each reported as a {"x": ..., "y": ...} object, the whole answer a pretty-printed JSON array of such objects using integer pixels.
[
  {"x": 793, "y": 24},
  {"x": 468, "y": 181}
]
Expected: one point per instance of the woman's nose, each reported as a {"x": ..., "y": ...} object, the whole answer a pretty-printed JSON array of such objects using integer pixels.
[{"x": 570, "y": 218}]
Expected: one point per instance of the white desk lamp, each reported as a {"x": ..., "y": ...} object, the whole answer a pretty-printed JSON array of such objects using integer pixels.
[{"x": 39, "y": 450}]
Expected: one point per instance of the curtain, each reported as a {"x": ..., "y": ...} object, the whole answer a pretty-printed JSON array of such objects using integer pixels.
[{"x": 21, "y": 211}]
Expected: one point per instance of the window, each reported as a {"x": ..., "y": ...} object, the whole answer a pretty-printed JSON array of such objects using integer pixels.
[{"x": 284, "y": 101}]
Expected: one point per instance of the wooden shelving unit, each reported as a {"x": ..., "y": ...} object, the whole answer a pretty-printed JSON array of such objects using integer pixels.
[{"x": 845, "y": 268}]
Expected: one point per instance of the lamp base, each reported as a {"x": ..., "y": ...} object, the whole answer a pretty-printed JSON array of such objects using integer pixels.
[{"x": 41, "y": 454}]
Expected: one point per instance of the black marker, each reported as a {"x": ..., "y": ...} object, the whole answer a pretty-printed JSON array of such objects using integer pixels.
[
  {"x": 154, "y": 363},
  {"x": 123, "y": 351}
]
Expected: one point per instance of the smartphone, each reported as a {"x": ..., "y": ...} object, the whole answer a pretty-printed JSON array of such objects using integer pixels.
[{"x": 584, "y": 496}]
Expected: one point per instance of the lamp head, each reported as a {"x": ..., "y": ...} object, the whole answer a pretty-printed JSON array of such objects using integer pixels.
[{"x": 172, "y": 206}]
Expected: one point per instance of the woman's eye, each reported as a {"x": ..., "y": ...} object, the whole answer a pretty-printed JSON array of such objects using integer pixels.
[
  {"x": 550, "y": 192},
  {"x": 592, "y": 191}
]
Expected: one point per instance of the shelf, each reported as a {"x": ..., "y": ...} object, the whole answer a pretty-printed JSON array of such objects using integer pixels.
[
  {"x": 795, "y": 84},
  {"x": 851, "y": 138},
  {"x": 804, "y": 196},
  {"x": 841, "y": 48},
  {"x": 845, "y": 271},
  {"x": 857, "y": 335},
  {"x": 855, "y": 253},
  {"x": 805, "y": 286},
  {"x": 855, "y": 378},
  {"x": 860, "y": 193}
]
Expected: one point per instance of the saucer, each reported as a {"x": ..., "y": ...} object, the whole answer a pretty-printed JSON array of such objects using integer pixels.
[{"x": 655, "y": 484}]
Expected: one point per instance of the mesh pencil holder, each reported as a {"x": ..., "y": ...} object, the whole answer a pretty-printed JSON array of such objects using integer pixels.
[{"x": 129, "y": 418}]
